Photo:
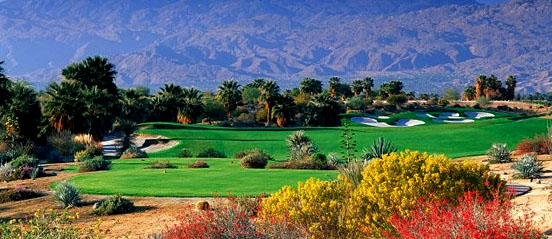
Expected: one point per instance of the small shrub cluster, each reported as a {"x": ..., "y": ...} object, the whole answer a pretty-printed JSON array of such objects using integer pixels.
[
  {"x": 133, "y": 152},
  {"x": 23, "y": 167},
  {"x": 63, "y": 143},
  {"x": 89, "y": 152},
  {"x": 499, "y": 153},
  {"x": 66, "y": 194},
  {"x": 97, "y": 163},
  {"x": 18, "y": 194},
  {"x": 114, "y": 205},
  {"x": 528, "y": 167},
  {"x": 211, "y": 153},
  {"x": 185, "y": 153},
  {"x": 254, "y": 159},
  {"x": 472, "y": 217},
  {"x": 539, "y": 145},
  {"x": 379, "y": 147},
  {"x": 198, "y": 164},
  {"x": 303, "y": 154},
  {"x": 161, "y": 164},
  {"x": 49, "y": 225}
]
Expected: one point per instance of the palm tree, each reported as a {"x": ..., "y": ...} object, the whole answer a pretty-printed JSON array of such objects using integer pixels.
[
  {"x": 284, "y": 110},
  {"x": 269, "y": 93},
  {"x": 64, "y": 106},
  {"x": 167, "y": 102},
  {"x": 193, "y": 106},
  {"x": 356, "y": 87},
  {"x": 99, "y": 111},
  {"x": 22, "y": 112},
  {"x": 127, "y": 129},
  {"x": 310, "y": 86},
  {"x": 479, "y": 85},
  {"x": 134, "y": 105},
  {"x": 511, "y": 87},
  {"x": 367, "y": 85},
  {"x": 469, "y": 93},
  {"x": 229, "y": 95},
  {"x": 4, "y": 82},
  {"x": 93, "y": 71},
  {"x": 333, "y": 84}
]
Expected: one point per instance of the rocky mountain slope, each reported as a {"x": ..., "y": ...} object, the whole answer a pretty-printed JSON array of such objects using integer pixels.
[{"x": 429, "y": 44}]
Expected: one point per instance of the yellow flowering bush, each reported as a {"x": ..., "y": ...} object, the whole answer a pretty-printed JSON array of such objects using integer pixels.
[
  {"x": 319, "y": 207},
  {"x": 46, "y": 225},
  {"x": 391, "y": 185}
]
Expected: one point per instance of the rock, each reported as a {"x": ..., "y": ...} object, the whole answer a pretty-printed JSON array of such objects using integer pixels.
[
  {"x": 202, "y": 206},
  {"x": 96, "y": 205}
]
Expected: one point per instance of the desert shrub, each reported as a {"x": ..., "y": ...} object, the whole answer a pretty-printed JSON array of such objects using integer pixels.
[
  {"x": 133, "y": 152},
  {"x": 302, "y": 165},
  {"x": 255, "y": 159},
  {"x": 393, "y": 184},
  {"x": 95, "y": 164},
  {"x": 397, "y": 100},
  {"x": 202, "y": 205},
  {"x": 63, "y": 142},
  {"x": 538, "y": 144},
  {"x": 227, "y": 221},
  {"x": 432, "y": 101},
  {"x": 185, "y": 153},
  {"x": 49, "y": 225},
  {"x": 499, "y": 153},
  {"x": 6, "y": 172},
  {"x": 18, "y": 194},
  {"x": 66, "y": 194},
  {"x": 24, "y": 161},
  {"x": 379, "y": 147},
  {"x": 356, "y": 103},
  {"x": 300, "y": 146},
  {"x": 198, "y": 164},
  {"x": 161, "y": 164},
  {"x": 529, "y": 166},
  {"x": 318, "y": 207},
  {"x": 114, "y": 205},
  {"x": 84, "y": 139},
  {"x": 83, "y": 155},
  {"x": 211, "y": 153},
  {"x": 261, "y": 115},
  {"x": 473, "y": 217},
  {"x": 443, "y": 102},
  {"x": 241, "y": 154},
  {"x": 352, "y": 171},
  {"x": 483, "y": 102}
]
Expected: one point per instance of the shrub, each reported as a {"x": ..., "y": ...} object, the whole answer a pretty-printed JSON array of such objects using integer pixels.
[
  {"x": 66, "y": 194},
  {"x": 499, "y": 153},
  {"x": 133, "y": 152},
  {"x": 302, "y": 165},
  {"x": 211, "y": 153},
  {"x": 255, "y": 159},
  {"x": 24, "y": 161},
  {"x": 528, "y": 167},
  {"x": 95, "y": 164},
  {"x": 83, "y": 155},
  {"x": 114, "y": 205},
  {"x": 443, "y": 102},
  {"x": 198, "y": 164},
  {"x": 241, "y": 154},
  {"x": 202, "y": 205},
  {"x": 300, "y": 146},
  {"x": 18, "y": 194},
  {"x": 352, "y": 171},
  {"x": 319, "y": 160},
  {"x": 539, "y": 145},
  {"x": 397, "y": 100},
  {"x": 160, "y": 165},
  {"x": 6, "y": 172},
  {"x": 379, "y": 147},
  {"x": 473, "y": 217},
  {"x": 185, "y": 153},
  {"x": 63, "y": 142},
  {"x": 483, "y": 101}
]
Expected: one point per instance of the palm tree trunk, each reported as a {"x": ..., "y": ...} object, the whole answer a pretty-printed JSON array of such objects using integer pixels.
[
  {"x": 268, "y": 114},
  {"x": 229, "y": 116}
]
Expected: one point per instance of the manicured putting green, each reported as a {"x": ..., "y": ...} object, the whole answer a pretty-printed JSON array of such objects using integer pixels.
[
  {"x": 224, "y": 177},
  {"x": 453, "y": 140}
]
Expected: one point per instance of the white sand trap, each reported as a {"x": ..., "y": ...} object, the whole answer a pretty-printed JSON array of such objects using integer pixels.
[
  {"x": 425, "y": 115},
  {"x": 453, "y": 121},
  {"x": 449, "y": 115},
  {"x": 479, "y": 115},
  {"x": 375, "y": 123},
  {"x": 370, "y": 122},
  {"x": 408, "y": 122}
]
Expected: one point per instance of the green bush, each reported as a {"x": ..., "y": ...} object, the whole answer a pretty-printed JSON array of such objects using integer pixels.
[
  {"x": 319, "y": 159},
  {"x": 95, "y": 164},
  {"x": 198, "y": 164},
  {"x": 443, "y": 102},
  {"x": 499, "y": 153},
  {"x": 528, "y": 167},
  {"x": 255, "y": 159},
  {"x": 83, "y": 155},
  {"x": 300, "y": 146},
  {"x": 185, "y": 153},
  {"x": 114, "y": 205},
  {"x": 66, "y": 194},
  {"x": 379, "y": 147},
  {"x": 24, "y": 161},
  {"x": 211, "y": 153},
  {"x": 160, "y": 165},
  {"x": 133, "y": 152}
]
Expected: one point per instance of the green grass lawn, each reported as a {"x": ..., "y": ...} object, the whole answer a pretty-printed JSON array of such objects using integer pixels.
[
  {"x": 453, "y": 140},
  {"x": 224, "y": 177}
]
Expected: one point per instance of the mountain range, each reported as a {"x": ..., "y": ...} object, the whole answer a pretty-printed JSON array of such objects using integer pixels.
[{"x": 429, "y": 44}]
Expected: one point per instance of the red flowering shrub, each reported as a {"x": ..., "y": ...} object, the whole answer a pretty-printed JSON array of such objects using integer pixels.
[
  {"x": 538, "y": 144},
  {"x": 472, "y": 217}
]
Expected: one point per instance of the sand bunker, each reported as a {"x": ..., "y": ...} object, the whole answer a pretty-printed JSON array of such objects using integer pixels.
[
  {"x": 450, "y": 115},
  {"x": 378, "y": 117},
  {"x": 375, "y": 123},
  {"x": 453, "y": 121},
  {"x": 479, "y": 115},
  {"x": 425, "y": 115}
]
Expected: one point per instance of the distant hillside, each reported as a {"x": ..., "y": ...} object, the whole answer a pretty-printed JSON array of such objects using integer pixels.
[{"x": 430, "y": 44}]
